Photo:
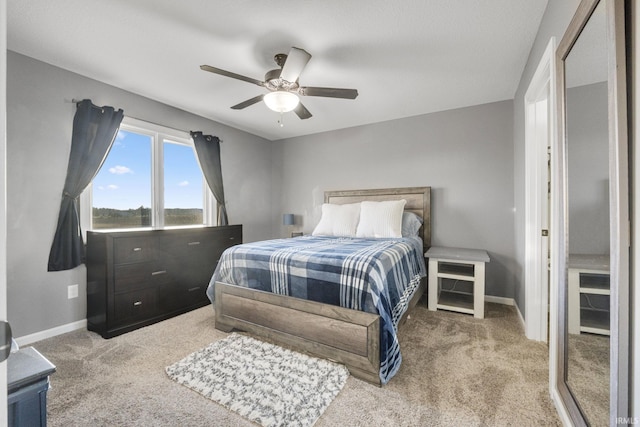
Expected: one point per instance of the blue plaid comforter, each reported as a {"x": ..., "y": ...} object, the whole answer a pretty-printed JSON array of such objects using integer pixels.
[{"x": 374, "y": 275}]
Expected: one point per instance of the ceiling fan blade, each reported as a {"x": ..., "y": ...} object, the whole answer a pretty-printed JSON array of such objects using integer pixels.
[
  {"x": 230, "y": 74},
  {"x": 248, "y": 102},
  {"x": 296, "y": 61},
  {"x": 328, "y": 92},
  {"x": 302, "y": 112}
]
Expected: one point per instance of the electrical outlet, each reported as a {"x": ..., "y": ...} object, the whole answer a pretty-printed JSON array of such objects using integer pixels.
[{"x": 72, "y": 291}]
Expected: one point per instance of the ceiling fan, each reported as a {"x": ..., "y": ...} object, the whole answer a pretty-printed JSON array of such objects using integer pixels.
[{"x": 283, "y": 86}]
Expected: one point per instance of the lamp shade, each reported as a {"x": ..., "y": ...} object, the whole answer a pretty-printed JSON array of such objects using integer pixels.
[
  {"x": 287, "y": 219},
  {"x": 281, "y": 101}
]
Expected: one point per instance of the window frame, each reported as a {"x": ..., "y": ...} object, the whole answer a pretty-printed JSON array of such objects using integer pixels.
[{"x": 159, "y": 136}]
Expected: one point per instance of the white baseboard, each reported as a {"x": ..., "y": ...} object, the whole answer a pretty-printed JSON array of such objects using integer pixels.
[
  {"x": 58, "y": 330},
  {"x": 82, "y": 324},
  {"x": 506, "y": 301},
  {"x": 499, "y": 300},
  {"x": 521, "y": 317}
]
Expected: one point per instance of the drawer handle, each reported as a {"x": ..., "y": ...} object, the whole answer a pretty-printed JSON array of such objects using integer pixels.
[
  {"x": 232, "y": 238},
  {"x": 137, "y": 249},
  {"x": 155, "y": 273},
  {"x": 193, "y": 243},
  {"x": 194, "y": 289},
  {"x": 137, "y": 303}
]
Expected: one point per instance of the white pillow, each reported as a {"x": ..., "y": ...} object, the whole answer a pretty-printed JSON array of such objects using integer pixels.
[
  {"x": 381, "y": 219},
  {"x": 338, "y": 220},
  {"x": 411, "y": 224}
]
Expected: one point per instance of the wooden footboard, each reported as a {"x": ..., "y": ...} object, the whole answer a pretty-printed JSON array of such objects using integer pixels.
[{"x": 346, "y": 336}]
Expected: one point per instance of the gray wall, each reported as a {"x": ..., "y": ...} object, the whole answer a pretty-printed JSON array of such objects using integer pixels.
[
  {"x": 465, "y": 155},
  {"x": 588, "y": 169},
  {"x": 554, "y": 23},
  {"x": 38, "y": 142}
]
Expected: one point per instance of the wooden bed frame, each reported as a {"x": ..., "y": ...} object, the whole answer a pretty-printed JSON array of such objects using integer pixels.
[{"x": 344, "y": 335}]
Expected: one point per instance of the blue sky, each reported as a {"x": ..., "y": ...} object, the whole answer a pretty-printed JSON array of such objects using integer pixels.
[{"x": 124, "y": 181}]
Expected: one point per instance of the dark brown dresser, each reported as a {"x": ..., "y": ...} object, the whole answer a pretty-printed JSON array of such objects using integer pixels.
[{"x": 136, "y": 278}]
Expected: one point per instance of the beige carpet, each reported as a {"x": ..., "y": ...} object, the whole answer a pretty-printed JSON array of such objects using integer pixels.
[
  {"x": 588, "y": 374},
  {"x": 457, "y": 370}
]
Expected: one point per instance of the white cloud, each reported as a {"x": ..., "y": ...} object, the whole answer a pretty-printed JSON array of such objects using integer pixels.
[
  {"x": 108, "y": 187},
  {"x": 120, "y": 170},
  {"x": 183, "y": 183},
  {"x": 120, "y": 136}
]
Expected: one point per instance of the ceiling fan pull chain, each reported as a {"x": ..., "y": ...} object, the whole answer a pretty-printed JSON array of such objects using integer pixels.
[{"x": 281, "y": 121}]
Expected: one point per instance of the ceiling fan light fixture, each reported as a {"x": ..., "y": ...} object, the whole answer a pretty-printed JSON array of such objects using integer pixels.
[{"x": 281, "y": 101}]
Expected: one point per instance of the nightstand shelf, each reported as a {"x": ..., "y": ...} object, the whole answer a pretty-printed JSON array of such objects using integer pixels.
[
  {"x": 456, "y": 301},
  {"x": 458, "y": 265}
]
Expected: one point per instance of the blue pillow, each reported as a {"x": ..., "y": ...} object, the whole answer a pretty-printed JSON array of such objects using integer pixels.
[{"x": 411, "y": 224}]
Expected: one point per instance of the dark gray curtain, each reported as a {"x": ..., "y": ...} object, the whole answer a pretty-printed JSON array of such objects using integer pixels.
[
  {"x": 94, "y": 129},
  {"x": 208, "y": 150}
]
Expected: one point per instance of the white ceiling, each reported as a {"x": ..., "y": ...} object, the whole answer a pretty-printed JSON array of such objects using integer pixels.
[{"x": 406, "y": 57}]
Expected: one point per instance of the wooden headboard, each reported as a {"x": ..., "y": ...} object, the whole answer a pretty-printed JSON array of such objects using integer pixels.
[{"x": 418, "y": 201}]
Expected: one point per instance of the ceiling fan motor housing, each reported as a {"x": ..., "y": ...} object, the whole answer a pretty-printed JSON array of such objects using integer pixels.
[{"x": 272, "y": 81}]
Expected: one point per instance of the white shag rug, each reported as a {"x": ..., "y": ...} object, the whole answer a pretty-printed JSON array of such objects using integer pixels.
[{"x": 264, "y": 383}]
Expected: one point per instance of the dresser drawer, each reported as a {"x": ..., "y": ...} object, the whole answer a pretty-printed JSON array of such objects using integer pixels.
[
  {"x": 224, "y": 239},
  {"x": 132, "y": 249},
  {"x": 228, "y": 237},
  {"x": 177, "y": 297},
  {"x": 185, "y": 247},
  {"x": 195, "y": 295},
  {"x": 128, "y": 277},
  {"x": 136, "y": 305}
]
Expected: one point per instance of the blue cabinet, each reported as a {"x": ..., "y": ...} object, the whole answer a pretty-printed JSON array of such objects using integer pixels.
[{"x": 27, "y": 385}]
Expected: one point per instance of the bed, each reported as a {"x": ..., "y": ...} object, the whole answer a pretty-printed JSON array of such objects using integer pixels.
[{"x": 358, "y": 331}]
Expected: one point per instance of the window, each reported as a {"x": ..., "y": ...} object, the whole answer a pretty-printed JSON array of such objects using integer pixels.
[{"x": 151, "y": 178}]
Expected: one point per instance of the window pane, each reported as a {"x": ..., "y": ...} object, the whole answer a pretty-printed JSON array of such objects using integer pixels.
[
  {"x": 122, "y": 188},
  {"x": 183, "y": 186}
]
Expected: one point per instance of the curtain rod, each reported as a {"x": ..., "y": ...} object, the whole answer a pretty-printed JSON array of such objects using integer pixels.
[{"x": 75, "y": 101}]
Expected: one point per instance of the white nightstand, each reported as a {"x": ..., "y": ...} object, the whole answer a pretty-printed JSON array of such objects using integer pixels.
[
  {"x": 457, "y": 264},
  {"x": 588, "y": 280}
]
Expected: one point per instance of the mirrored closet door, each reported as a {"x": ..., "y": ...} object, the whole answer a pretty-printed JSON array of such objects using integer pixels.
[{"x": 591, "y": 252}]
